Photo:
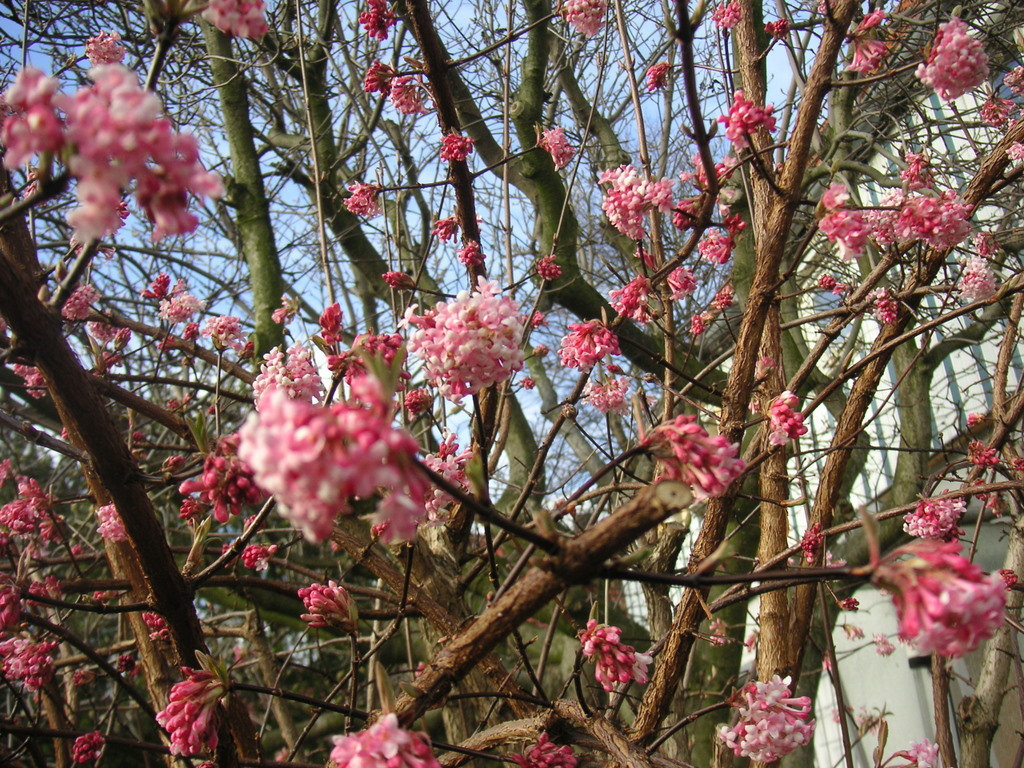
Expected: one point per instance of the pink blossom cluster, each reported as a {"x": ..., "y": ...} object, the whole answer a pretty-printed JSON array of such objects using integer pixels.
[
  {"x": 445, "y": 229},
  {"x": 294, "y": 374},
  {"x": 786, "y": 424},
  {"x": 630, "y": 197},
  {"x": 884, "y": 307},
  {"x": 377, "y": 19},
  {"x": 329, "y": 605},
  {"x": 76, "y": 308},
  {"x": 10, "y": 602},
  {"x": 28, "y": 662},
  {"x": 257, "y": 556},
  {"x": 111, "y": 525},
  {"x": 828, "y": 283},
  {"x": 455, "y": 147},
  {"x": 181, "y": 306},
  {"x": 157, "y": 625},
  {"x": 727, "y": 15},
  {"x": 27, "y": 513},
  {"x": 811, "y": 542},
  {"x": 364, "y": 200},
  {"x": 190, "y": 716},
  {"x": 945, "y": 604},
  {"x": 777, "y": 29},
  {"x": 586, "y": 344},
  {"x": 614, "y": 661},
  {"x": 470, "y": 254},
  {"x": 416, "y": 401},
  {"x": 607, "y": 396},
  {"x": 383, "y": 745},
  {"x": 868, "y": 51},
  {"x": 450, "y": 463},
  {"x": 772, "y": 721},
  {"x": 585, "y": 16},
  {"x": 847, "y": 228},
  {"x": 631, "y": 300},
  {"x": 316, "y": 459},
  {"x": 921, "y": 754},
  {"x": 398, "y": 280},
  {"x": 657, "y": 76},
  {"x": 469, "y": 343},
  {"x": 744, "y": 119},
  {"x": 995, "y": 112},
  {"x": 942, "y": 222},
  {"x": 406, "y": 95},
  {"x": 238, "y": 18},
  {"x": 330, "y": 324},
  {"x": 104, "y": 48},
  {"x": 977, "y": 281},
  {"x": 935, "y": 519},
  {"x": 379, "y": 346},
  {"x": 225, "y": 331},
  {"x": 548, "y": 269},
  {"x": 981, "y": 455},
  {"x": 716, "y": 246},
  {"x": 554, "y": 142},
  {"x": 918, "y": 173},
  {"x": 957, "y": 63},
  {"x": 35, "y": 382},
  {"x": 681, "y": 283},
  {"x": 378, "y": 78},
  {"x": 689, "y": 454},
  {"x": 883, "y": 645},
  {"x": 226, "y": 482},
  {"x": 87, "y": 748},
  {"x": 546, "y": 754}
]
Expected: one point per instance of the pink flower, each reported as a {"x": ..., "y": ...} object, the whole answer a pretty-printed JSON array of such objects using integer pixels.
[
  {"x": 257, "y": 556},
  {"x": 377, "y": 19},
  {"x": 586, "y": 344},
  {"x": 828, "y": 283},
  {"x": 657, "y": 76},
  {"x": 398, "y": 280},
  {"x": 847, "y": 228},
  {"x": 885, "y": 308},
  {"x": 10, "y": 603},
  {"x": 699, "y": 323},
  {"x": 716, "y": 246},
  {"x": 28, "y": 662},
  {"x": 945, "y": 604},
  {"x": 585, "y": 16},
  {"x": 76, "y": 308},
  {"x": 707, "y": 464},
  {"x": 717, "y": 630},
  {"x": 554, "y": 142},
  {"x": 853, "y": 632},
  {"x": 157, "y": 625},
  {"x": 182, "y": 306},
  {"x": 445, "y": 229},
  {"x": 727, "y": 15},
  {"x": 329, "y": 605},
  {"x": 868, "y": 52},
  {"x": 87, "y": 748},
  {"x": 450, "y": 463},
  {"x": 33, "y": 127},
  {"x": 629, "y": 199},
  {"x": 614, "y": 661},
  {"x": 548, "y": 269},
  {"x": 977, "y": 281},
  {"x": 957, "y": 63},
  {"x": 470, "y": 254},
  {"x": 681, "y": 283},
  {"x": 917, "y": 174},
  {"x": 104, "y": 48},
  {"x": 26, "y": 514},
  {"x": 295, "y": 375},
  {"x": 226, "y": 482},
  {"x": 469, "y": 343},
  {"x": 111, "y": 526},
  {"x": 995, "y": 112},
  {"x": 316, "y": 459},
  {"x": 745, "y": 118},
  {"x": 883, "y": 646},
  {"x": 777, "y": 29},
  {"x": 631, "y": 300},
  {"x": 545, "y": 754},
  {"x": 365, "y": 199},
  {"x": 935, "y": 519},
  {"x": 980, "y": 455},
  {"x": 607, "y": 396},
  {"x": 921, "y": 754},
  {"x": 812, "y": 542},
  {"x": 772, "y": 721},
  {"x": 383, "y": 745},
  {"x": 190, "y": 716},
  {"x": 406, "y": 94},
  {"x": 378, "y": 78},
  {"x": 417, "y": 401},
  {"x": 786, "y": 423},
  {"x": 455, "y": 147},
  {"x": 238, "y": 18},
  {"x": 224, "y": 331},
  {"x": 330, "y": 324}
]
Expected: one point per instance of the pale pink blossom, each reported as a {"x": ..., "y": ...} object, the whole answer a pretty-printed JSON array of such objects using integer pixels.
[
  {"x": 977, "y": 281},
  {"x": 377, "y": 19},
  {"x": 225, "y": 331},
  {"x": 614, "y": 661},
  {"x": 585, "y": 16},
  {"x": 727, "y": 15},
  {"x": 87, "y": 748},
  {"x": 226, "y": 482},
  {"x": 699, "y": 323},
  {"x": 957, "y": 63},
  {"x": 546, "y": 754},
  {"x": 945, "y": 604},
  {"x": 630, "y": 197},
  {"x": 190, "y": 716},
  {"x": 554, "y": 142},
  {"x": 681, "y": 283},
  {"x": 104, "y": 48},
  {"x": 786, "y": 424},
  {"x": 450, "y": 463},
  {"x": 853, "y": 632},
  {"x": 632, "y": 300},
  {"x": 868, "y": 51},
  {"x": 406, "y": 95},
  {"x": 111, "y": 526},
  {"x": 772, "y": 721},
  {"x": 33, "y": 126},
  {"x": 608, "y": 396},
  {"x": 76, "y": 308},
  {"x": 586, "y": 344},
  {"x": 935, "y": 519},
  {"x": 918, "y": 174},
  {"x": 364, "y": 200},
  {"x": 657, "y": 76},
  {"x": 723, "y": 298},
  {"x": 921, "y": 754},
  {"x": 717, "y": 632},
  {"x": 257, "y": 556},
  {"x": 238, "y": 18},
  {"x": 688, "y": 454},
  {"x": 455, "y": 147},
  {"x": 884, "y": 307},
  {"x": 847, "y": 228},
  {"x": 28, "y": 662},
  {"x": 316, "y": 459},
  {"x": 469, "y": 343},
  {"x": 744, "y": 119},
  {"x": 882, "y": 220},
  {"x": 383, "y": 745},
  {"x": 294, "y": 374},
  {"x": 329, "y": 605},
  {"x": 883, "y": 646},
  {"x": 27, "y": 513},
  {"x": 716, "y": 246},
  {"x": 995, "y": 112},
  {"x": 181, "y": 306}
]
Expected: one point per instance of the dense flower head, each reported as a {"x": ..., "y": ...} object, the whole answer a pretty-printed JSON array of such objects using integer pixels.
[
  {"x": 28, "y": 662},
  {"x": 226, "y": 482},
  {"x": 294, "y": 374},
  {"x": 455, "y": 147},
  {"x": 957, "y": 62},
  {"x": 225, "y": 331},
  {"x": 76, "y": 308},
  {"x": 27, "y": 513},
  {"x": 868, "y": 54},
  {"x": 727, "y": 14},
  {"x": 468, "y": 343},
  {"x": 689, "y": 454},
  {"x": 586, "y": 344},
  {"x": 884, "y": 308},
  {"x": 111, "y": 525},
  {"x": 181, "y": 306},
  {"x": 383, "y": 745},
  {"x": 554, "y": 142},
  {"x": 981, "y": 455},
  {"x": 657, "y": 75},
  {"x": 745, "y": 118},
  {"x": 377, "y": 19},
  {"x": 416, "y": 401},
  {"x": 828, "y": 283},
  {"x": 238, "y": 18},
  {"x": 329, "y": 605},
  {"x": 920, "y": 754},
  {"x": 607, "y": 396},
  {"x": 883, "y": 645},
  {"x": 10, "y": 603},
  {"x": 847, "y": 228},
  {"x": 364, "y": 200},
  {"x": 257, "y": 556},
  {"x": 786, "y": 424},
  {"x": 945, "y": 604},
  {"x": 190, "y": 716},
  {"x": 450, "y": 463},
  {"x": 942, "y": 222},
  {"x": 777, "y": 29},
  {"x": 470, "y": 254},
  {"x": 935, "y": 519},
  {"x": 546, "y": 754},
  {"x": 548, "y": 268},
  {"x": 406, "y": 95},
  {"x": 398, "y": 280},
  {"x": 716, "y": 246},
  {"x": 445, "y": 229},
  {"x": 33, "y": 127},
  {"x": 631, "y": 300},
  {"x": 104, "y": 48},
  {"x": 378, "y": 78},
  {"x": 918, "y": 173},
  {"x": 681, "y": 283},
  {"x": 630, "y": 197},
  {"x": 772, "y": 721},
  {"x": 977, "y": 281},
  {"x": 614, "y": 661},
  {"x": 585, "y": 16},
  {"x": 995, "y": 112},
  {"x": 330, "y": 322},
  {"x": 315, "y": 459},
  {"x": 87, "y": 748},
  {"x": 811, "y": 542}
]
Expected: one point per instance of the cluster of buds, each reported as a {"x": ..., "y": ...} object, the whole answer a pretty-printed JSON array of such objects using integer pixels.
[
  {"x": 772, "y": 721},
  {"x": 614, "y": 661}
]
